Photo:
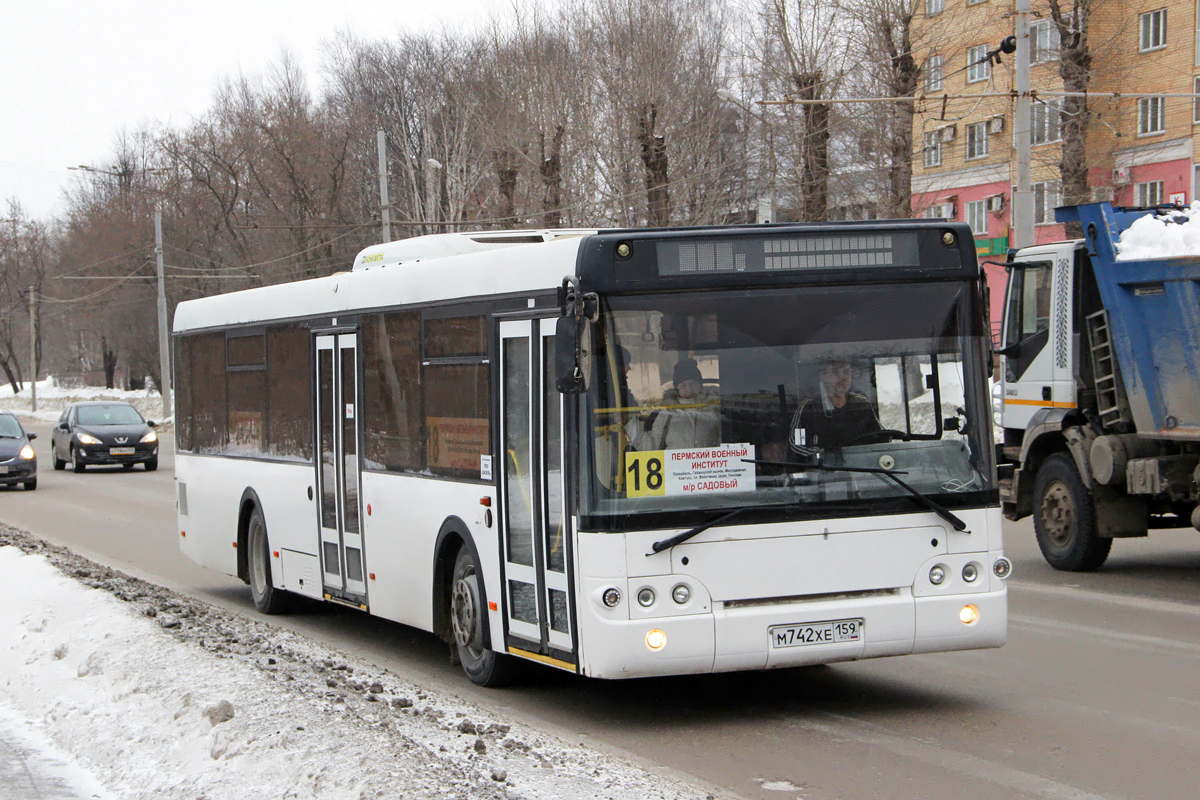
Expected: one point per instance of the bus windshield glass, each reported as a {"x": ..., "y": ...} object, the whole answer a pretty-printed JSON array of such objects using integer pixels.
[{"x": 785, "y": 400}]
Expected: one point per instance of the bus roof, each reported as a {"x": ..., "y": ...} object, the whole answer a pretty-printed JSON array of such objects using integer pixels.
[
  {"x": 485, "y": 269},
  {"x": 441, "y": 245}
]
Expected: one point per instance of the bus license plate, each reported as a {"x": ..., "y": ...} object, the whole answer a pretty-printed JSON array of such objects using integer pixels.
[
  {"x": 828, "y": 632},
  {"x": 121, "y": 451}
]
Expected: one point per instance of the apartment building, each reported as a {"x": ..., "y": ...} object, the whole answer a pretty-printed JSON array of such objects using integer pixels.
[{"x": 1141, "y": 151}]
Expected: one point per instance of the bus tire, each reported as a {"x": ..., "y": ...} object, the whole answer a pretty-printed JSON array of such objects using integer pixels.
[
  {"x": 483, "y": 666},
  {"x": 267, "y": 598},
  {"x": 1064, "y": 518}
]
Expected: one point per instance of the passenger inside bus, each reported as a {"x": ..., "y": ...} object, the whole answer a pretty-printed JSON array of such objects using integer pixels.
[{"x": 687, "y": 417}]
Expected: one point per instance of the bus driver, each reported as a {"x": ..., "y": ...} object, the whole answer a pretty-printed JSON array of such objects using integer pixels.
[{"x": 838, "y": 417}]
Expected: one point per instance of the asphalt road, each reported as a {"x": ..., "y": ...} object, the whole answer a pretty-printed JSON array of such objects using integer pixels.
[{"x": 1096, "y": 695}]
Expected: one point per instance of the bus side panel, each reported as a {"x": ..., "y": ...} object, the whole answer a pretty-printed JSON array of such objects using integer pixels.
[
  {"x": 400, "y": 532},
  {"x": 215, "y": 486}
]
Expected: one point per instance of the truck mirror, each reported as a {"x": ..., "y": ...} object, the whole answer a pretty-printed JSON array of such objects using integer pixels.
[{"x": 572, "y": 354}]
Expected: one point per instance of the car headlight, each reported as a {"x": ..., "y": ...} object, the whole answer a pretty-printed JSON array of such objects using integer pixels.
[
  {"x": 86, "y": 438},
  {"x": 27, "y": 453},
  {"x": 150, "y": 437}
]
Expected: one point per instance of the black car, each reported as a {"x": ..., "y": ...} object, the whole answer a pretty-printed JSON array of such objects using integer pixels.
[
  {"x": 103, "y": 432},
  {"x": 18, "y": 464}
]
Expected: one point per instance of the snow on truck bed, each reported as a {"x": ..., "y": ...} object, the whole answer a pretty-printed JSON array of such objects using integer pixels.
[{"x": 1169, "y": 235}]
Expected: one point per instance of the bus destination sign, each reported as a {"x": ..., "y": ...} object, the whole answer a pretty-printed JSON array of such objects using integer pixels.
[{"x": 784, "y": 253}]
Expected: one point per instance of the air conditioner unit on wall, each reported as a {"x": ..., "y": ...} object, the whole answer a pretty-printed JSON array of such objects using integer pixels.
[
  {"x": 995, "y": 125},
  {"x": 995, "y": 203},
  {"x": 1121, "y": 176},
  {"x": 948, "y": 132}
]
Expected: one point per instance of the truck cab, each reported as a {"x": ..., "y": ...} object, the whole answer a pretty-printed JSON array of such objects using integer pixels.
[{"x": 1090, "y": 388}]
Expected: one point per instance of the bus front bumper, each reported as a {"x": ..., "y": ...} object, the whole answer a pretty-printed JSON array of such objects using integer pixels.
[{"x": 742, "y": 638}]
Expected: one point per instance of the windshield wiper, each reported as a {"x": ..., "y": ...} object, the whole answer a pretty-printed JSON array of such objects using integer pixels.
[
  {"x": 892, "y": 474},
  {"x": 679, "y": 538}
]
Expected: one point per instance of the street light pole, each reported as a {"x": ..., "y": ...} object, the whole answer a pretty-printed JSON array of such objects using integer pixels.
[
  {"x": 33, "y": 359},
  {"x": 164, "y": 355},
  {"x": 432, "y": 165},
  {"x": 384, "y": 205}
]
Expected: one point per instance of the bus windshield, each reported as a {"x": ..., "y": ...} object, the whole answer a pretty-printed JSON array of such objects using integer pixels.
[{"x": 703, "y": 401}]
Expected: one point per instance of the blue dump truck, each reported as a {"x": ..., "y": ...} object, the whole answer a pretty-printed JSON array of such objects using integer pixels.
[{"x": 1101, "y": 389}]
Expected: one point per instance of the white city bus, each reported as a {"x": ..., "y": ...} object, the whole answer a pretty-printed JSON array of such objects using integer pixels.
[{"x": 405, "y": 439}]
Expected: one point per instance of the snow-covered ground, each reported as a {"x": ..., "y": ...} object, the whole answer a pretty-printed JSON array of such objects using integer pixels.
[
  {"x": 52, "y": 398},
  {"x": 1171, "y": 234},
  {"x": 111, "y": 687}
]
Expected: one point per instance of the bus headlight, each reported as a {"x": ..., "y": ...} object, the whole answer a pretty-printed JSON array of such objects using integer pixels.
[
  {"x": 970, "y": 573},
  {"x": 969, "y": 614},
  {"x": 611, "y": 597},
  {"x": 656, "y": 640},
  {"x": 937, "y": 575},
  {"x": 681, "y": 593},
  {"x": 645, "y": 597},
  {"x": 1001, "y": 567}
]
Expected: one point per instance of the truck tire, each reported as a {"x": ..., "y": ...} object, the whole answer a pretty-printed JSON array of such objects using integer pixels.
[{"x": 1064, "y": 518}]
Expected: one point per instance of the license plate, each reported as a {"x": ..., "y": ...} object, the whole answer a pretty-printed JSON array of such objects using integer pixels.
[
  {"x": 3, "y": 470},
  {"x": 121, "y": 451},
  {"x": 828, "y": 632}
]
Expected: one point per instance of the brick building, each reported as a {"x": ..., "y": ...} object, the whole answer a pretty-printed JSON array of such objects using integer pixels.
[{"x": 1140, "y": 151}]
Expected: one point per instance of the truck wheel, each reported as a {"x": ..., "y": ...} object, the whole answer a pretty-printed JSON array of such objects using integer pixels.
[
  {"x": 483, "y": 666},
  {"x": 1064, "y": 518}
]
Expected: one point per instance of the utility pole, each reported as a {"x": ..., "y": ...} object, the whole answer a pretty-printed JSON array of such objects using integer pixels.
[
  {"x": 1022, "y": 206},
  {"x": 384, "y": 205},
  {"x": 33, "y": 359},
  {"x": 164, "y": 354},
  {"x": 432, "y": 165}
]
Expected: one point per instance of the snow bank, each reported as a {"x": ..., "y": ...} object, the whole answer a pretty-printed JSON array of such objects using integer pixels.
[
  {"x": 165, "y": 697},
  {"x": 1169, "y": 235},
  {"x": 53, "y": 398}
]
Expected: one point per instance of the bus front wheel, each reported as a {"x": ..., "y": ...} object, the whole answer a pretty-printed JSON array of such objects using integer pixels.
[
  {"x": 483, "y": 666},
  {"x": 267, "y": 598},
  {"x": 1064, "y": 518}
]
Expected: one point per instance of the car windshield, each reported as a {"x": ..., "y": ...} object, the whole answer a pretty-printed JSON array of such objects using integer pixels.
[
  {"x": 109, "y": 415},
  {"x": 9, "y": 427},
  {"x": 704, "y": 401}
]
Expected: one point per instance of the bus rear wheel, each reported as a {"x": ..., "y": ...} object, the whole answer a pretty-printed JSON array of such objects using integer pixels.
[
  {"x": 1064, "y": 518},
  {"x": 483, "y": 666},
  {"x": 267, "y": 598}
]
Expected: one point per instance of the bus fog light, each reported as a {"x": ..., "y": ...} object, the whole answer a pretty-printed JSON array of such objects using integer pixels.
[
  {"x": 611, "y": 597},
  {"x": 681, "y": 594},
  {"x": 937, "y": 575},
  {"x": 656, "y": 639},
  {"x": 645, "y": 597},
  {"x": 969, "y": 614},
  {"x": 1002, "y": 567},
  {"x": 970, "y": 573}
]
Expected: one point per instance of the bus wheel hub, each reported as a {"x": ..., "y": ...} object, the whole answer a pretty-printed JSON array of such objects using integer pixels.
[{"x": 464, "y": 612}]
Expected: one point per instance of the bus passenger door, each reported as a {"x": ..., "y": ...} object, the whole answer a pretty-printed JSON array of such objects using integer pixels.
[
  {"x": 536, "y": 539},
  {"x": 337, "y": 467}
]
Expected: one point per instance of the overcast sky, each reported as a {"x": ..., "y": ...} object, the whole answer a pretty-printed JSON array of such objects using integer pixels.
[{"x": 73, "y": 73}]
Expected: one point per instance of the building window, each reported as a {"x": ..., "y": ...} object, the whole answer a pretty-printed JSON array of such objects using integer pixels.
[
  {"x": 1154, "y": 30},
  {"x": 979, "y": 68},
  {"x": 977, "y": 217},
  {"x": 975, "y": 2},
  {"x": 933, "y": 149},
  {"x": 1044, "y": 41},
  {"x": 1046, "y": 197},
  {"x": 1149, "y": 193},
  {"x": 933, "y": 74},
  {"x": 933, "y": 7},
  {"x": 977, "y": 140},
  {"x": 1151, "y": 115},
  {"x": 1045, "y": 121}
]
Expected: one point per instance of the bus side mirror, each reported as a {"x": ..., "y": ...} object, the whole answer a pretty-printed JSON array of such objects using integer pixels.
[{"x": 572, "y": 354}]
